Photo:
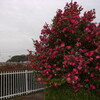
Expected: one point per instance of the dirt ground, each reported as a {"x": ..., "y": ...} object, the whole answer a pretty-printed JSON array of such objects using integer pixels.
[{"x": 33, "y": 96}]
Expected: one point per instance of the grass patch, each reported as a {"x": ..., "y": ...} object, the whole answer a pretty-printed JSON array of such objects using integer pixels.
[{"x": 65, "y": 93}]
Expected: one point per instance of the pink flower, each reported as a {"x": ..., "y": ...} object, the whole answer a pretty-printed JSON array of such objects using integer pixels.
[
  {"x": 71, "y": 63},
  {"x": 53, "y": 28},
  {"x": 53, "y": 71},
  {"x": 78, "y": 85},
  {"x": 54, "y": 65},
  {"x": 50, "y": 50},
  {"x": 58, "y": 69},
  {"x": 68, "y": 47},
  {"x": 74, "y": 87},
  {"x": 79, "y": 67},
  {"x": 63, "y": 45},
  {"x": 78, "y": 39},
  {"x": 86, "y": 80},
  {"x": 59, "y": 11},
  {"x": 92, "y": 86},
  {"x": 40, "y": 82},
  {"x": 49, "y": 66},
  {"x": 88, "y": 30},
  {"x": 68, "y": 74},
  {"x": 64, "y": 62},
  {"x": 97, "y": 68},
  {"x": 76, "y": 77},
  {"x": 41, "y": 68},
  {"x": 43, "y": 31},
  {"x": 85, "y": 70},
  {"x": 57, "y": 48},
  {"x": 91, "y": 75},
  {"x": 78, "y": 44},
  {"x": 75, "y": 70},
  {"x": 91, "y": 59},
  {"x": 76, "y": 58},
  {"x": 39, "y": 79},
  {"x": 68, "y": 79},
  {"x": 80, "y": 50},
  {"x": 90, "y": 53},
  {"x": 85, "y": 50},
  {"x": 55, "y": 52},
  {"x": 65, "y": 35},
  {"x": 65, "y": 29},
  {"x": 97, "y": 57},
  {"x": 50, "y": 76},
  {"x": 74, "y": 21},
  {"x": 77, "y": 16},
  {"x": 48, "y": 70},
  {"x": 72, "y": 31}
]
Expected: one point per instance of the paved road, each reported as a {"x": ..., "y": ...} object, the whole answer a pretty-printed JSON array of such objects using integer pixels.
[{"x": 34, "y": 96}]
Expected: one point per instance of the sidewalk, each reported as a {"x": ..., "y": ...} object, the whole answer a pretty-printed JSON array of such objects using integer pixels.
[{"x": 34, "y": 96}]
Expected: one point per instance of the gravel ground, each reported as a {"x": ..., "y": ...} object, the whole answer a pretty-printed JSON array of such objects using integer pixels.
[{"x": 34, "y": 96}]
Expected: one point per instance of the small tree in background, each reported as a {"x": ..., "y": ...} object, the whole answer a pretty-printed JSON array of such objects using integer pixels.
[
  {"x": 69, "y": 50},
  {"x": 18, "y": 58}
]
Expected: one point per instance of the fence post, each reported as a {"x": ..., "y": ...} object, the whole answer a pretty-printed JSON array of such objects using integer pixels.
[
  {"x": 1, "y": 85},
  {"x": 26, "y": 80}
]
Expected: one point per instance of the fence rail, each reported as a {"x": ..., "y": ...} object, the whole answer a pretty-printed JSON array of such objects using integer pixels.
[{"x": 18, "y": 83}]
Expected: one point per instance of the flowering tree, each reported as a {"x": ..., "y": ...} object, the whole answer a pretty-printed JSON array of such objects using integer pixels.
[{"x": 69, "y": 50}]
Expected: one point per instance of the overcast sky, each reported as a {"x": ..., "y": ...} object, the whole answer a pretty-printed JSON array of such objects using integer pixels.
[{"x": 22, "y": 20}]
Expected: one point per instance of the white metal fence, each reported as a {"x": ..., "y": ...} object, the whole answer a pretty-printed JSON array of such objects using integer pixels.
[{"x": 18, "y": 83}]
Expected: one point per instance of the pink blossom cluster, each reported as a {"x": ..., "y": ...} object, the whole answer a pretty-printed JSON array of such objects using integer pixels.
[{"x": 69, "y": 50}]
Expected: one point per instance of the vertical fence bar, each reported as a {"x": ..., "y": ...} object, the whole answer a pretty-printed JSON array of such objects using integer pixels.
[
  {"x": 6, "y": 84},
  {"x": 34, "y": 80},
  {"x": 13, "y": 82},
  {"x": 16, "y": 81},
  {"x": 1, "y": 85},
  {"x": 22, "y": 82},
  {"x": 26, "y": 80},
  {"x": 18, "y": 85},
  {"x": 31, "y": 80},
  {"x": 19, "y": 82}
]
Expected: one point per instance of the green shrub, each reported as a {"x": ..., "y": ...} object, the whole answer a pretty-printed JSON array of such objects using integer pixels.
[{"x": 65, "y": 92}]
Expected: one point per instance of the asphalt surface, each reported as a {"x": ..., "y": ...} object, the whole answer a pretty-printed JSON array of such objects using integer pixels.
[{"x": 33, "y": 96}]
